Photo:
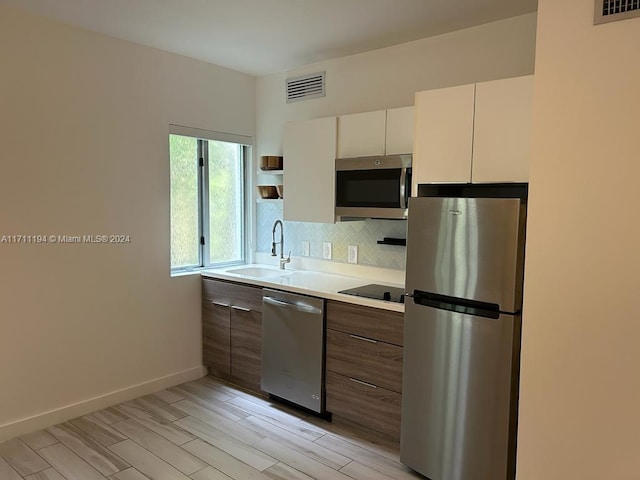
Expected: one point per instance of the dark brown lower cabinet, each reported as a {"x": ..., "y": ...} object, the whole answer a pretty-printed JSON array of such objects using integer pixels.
[
  {"x": 364, "y": 366},
  {"x": 363, "y": 381},
  {"x": 232, "y": 332}
]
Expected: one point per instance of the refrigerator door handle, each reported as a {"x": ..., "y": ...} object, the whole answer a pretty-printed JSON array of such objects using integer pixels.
[{"x": 455, "y": 304}]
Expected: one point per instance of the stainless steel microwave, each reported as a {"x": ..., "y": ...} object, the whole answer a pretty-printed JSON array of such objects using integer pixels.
[{"x": 373, "y": 187}]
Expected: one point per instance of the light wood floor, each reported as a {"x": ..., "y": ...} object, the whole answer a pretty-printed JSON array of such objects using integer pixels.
[{"x": 201, "y": 430}]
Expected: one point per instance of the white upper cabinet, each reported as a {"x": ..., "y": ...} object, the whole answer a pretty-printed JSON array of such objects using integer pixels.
[
  {"x": 474, "y": 133},
  {"x": 309, "y": 170},
  {"x": 383, "y": 132},
  {"x": 444, "y": 135},
  {"x": 399, "y": 137},
  {"x": 361, "y": 134},
  {"x": 502, "y": 130}
]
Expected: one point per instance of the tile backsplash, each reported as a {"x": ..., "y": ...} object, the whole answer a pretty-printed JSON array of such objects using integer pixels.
[{"x": 364, "y": 234}]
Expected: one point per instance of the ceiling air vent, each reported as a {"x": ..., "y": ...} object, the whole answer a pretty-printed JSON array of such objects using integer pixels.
[
  {"x": 306, "y": 87},
  {"x": 612, "y": 10}
]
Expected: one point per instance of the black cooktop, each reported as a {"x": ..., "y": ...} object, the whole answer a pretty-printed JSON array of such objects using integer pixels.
[{"x": 378, "y": 292}]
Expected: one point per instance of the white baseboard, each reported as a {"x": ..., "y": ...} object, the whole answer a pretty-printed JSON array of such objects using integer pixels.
[{"x": 62, "y": 414}]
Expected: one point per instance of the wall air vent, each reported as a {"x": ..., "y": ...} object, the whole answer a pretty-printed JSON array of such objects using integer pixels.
[
  {"x": 306, "y": 87},
  {"x": 613, "y": 10}
]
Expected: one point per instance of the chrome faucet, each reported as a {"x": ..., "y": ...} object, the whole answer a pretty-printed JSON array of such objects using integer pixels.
[{"x": 283, "y": 260}]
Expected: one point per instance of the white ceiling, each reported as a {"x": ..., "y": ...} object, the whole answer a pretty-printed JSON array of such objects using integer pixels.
[{"x": 265, "y": 36}]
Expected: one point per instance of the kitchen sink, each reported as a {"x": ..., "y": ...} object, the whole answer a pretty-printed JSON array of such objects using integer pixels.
[
  {"x": 258, "y": 272},
  {"x": 307, "y": 275}
]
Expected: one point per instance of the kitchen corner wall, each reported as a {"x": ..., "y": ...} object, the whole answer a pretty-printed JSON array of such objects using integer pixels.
[
  {"x": 376, "y": 80},
  {"x": 364, "y": 234},
  {"x": 579, "y": 384}
]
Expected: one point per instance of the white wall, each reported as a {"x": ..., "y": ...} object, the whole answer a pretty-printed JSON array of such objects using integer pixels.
[
  {"x": 389, "y": 77},
  {"x": 580, "y": 386},
  {"x": 84, "y": 123}
]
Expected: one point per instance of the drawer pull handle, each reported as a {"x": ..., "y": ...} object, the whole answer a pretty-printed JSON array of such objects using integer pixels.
[
  {"x": 220, "y": 304},
  {"x": 358, "y": 337},
  {"x": 242, "y": 309},
  {"x": 363, "y": 383}
]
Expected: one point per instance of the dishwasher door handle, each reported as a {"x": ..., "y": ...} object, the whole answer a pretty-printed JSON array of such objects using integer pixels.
[{"x": 301, "y": 307}]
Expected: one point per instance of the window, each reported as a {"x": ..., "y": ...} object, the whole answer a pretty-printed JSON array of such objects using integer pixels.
[{"x": 207, "y": 198}]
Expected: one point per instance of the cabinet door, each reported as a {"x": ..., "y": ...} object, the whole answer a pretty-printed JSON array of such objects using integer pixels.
[
  {"x": 246, "y": 346},
  {"x": 400, "y": 131},
  {"x": 443, "y": 135},
  {"x": 361, "y": 134},
  {"x": 502, "y": 131},
  {"x": 216, "y": 340},
  {"x": 309, "y": 170}
]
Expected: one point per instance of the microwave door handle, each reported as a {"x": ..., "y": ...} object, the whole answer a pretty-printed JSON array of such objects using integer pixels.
[{"x": 403, "y": 188}]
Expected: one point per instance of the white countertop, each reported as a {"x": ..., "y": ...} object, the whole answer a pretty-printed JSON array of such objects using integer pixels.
[{"x": 306, "y": 282}]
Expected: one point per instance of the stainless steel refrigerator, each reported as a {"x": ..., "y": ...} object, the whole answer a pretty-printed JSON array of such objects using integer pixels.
[{"x": 462, "y": 335}]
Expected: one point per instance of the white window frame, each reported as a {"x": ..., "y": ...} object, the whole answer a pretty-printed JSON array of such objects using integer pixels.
[{"x": 246, "y": 143}]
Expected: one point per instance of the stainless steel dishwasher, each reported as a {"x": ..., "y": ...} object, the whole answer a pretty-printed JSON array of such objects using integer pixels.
[{"x": 293, "y": 347}]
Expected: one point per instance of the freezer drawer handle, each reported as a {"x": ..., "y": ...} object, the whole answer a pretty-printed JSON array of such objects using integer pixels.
[
  {"x": 363, "y": 383},
  {"x": 357, "y": 337},
  {"x": 455, "y": 304},
  {"x": 242, "y": 309},
  {"x": 301, "y": 307}
]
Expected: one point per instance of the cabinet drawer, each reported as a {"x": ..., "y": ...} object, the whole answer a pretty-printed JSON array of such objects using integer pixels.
[
  {"x": 366, "y": 322},
  {"x": 232, "y": 294},
  {"x": 375, "y": 408},
  {"x": 375, "y": 362}
]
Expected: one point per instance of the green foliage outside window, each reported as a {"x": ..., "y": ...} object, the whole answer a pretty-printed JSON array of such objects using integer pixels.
[
  {"x": 225, "y": 202},
  {"x": 223, "y": 228},
  {"x": 183, "y": 157}
]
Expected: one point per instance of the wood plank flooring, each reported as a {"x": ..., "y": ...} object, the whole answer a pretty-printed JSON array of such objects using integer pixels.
[{"x": 201, "y": 430}]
